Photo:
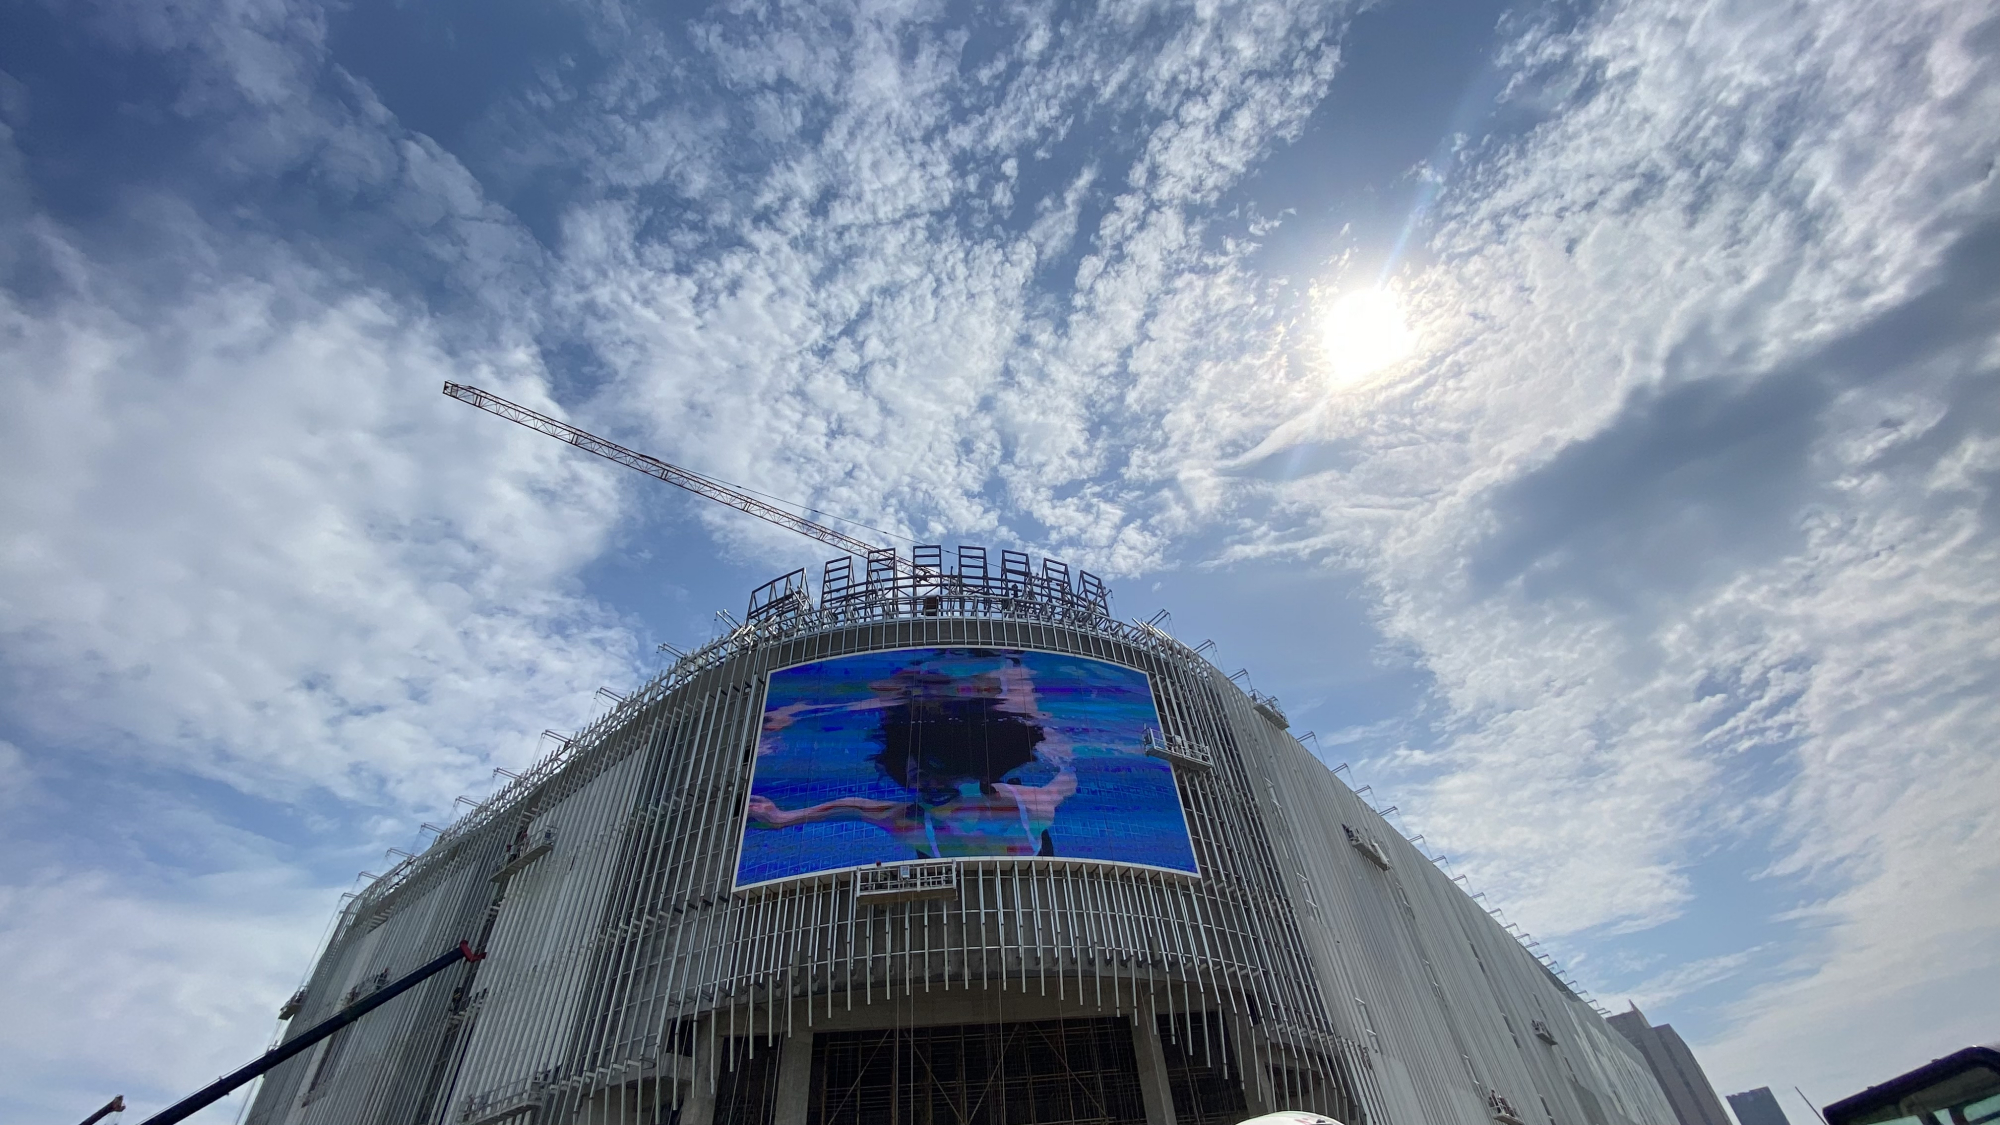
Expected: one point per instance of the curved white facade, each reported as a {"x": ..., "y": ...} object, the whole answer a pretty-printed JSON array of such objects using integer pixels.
[{"x": 1316, "y": 962}]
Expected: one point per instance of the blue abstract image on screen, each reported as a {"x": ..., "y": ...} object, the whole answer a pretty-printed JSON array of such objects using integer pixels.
[{"x": 944, "y": 753}]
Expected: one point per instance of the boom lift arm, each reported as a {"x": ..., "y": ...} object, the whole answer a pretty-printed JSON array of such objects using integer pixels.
[
  {"x": 216, "y": 1090},
  {"x": 672, "y": 474}
]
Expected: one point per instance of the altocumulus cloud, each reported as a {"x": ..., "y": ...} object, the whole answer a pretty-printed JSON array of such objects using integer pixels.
[
  {"x": 1694, "y": 509},
  {"x": 1684, "y": 503},
  {"x": 963, "y": 277},
  {"x": 245, "y": 546}
]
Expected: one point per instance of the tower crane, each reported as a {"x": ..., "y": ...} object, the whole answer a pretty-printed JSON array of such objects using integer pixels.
[{"x": 673, "y": 474}]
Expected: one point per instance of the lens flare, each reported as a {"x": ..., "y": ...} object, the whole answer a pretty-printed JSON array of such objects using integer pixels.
[{"x": 1364, "y": 332}]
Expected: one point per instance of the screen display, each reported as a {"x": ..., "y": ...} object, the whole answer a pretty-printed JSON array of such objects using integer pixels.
[{"x": 942, "y": 753}]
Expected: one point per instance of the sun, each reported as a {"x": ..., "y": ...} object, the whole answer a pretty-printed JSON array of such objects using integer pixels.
[{"x": 1364, "y": 332}]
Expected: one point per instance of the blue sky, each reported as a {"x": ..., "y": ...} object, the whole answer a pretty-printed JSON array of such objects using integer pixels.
[{"x": 1583, "y": 416}]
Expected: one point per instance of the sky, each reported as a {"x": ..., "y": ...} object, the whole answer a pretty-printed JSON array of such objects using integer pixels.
[{"x": 1582, "y": 414}]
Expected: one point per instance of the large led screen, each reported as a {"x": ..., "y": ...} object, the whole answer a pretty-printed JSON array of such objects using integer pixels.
[{"x": 941, "y": 753}]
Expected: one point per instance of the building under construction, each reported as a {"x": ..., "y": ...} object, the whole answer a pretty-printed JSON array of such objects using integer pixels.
[{"x": 935, "y": 839}]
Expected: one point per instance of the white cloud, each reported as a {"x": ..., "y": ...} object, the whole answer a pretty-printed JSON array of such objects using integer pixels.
[
  {"x": 16, "y": 779},
  {"x": 1688, "y": 976},
  {"x": 1894, "y": 613},
  {"x": 867, "y": 331},
  {"x": 147, "y": 993},
  {"x": 248, "y": 537},
  {"x": 1723, "y": 261}
]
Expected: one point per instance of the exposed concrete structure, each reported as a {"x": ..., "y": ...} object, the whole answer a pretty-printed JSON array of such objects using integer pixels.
[
  {"x": 1680, "y": 1076},
  {"x": 1317, "y": 960}
]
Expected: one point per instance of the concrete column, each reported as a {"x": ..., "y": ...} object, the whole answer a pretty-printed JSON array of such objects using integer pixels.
[
  {"x": 699, "y": 1106},
  {"x": 1250, "y": 1061},
  {"x": 1155, "y": 1090},
  {"x": 794, "y": 1079}
]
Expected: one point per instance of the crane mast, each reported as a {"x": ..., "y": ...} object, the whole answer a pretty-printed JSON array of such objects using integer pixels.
[{"x": 673, "y": 474}]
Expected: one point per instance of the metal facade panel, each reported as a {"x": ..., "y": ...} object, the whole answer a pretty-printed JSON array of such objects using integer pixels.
[
  {"x": 1403, "y": 953},
  {"x": 625, "y": 977}
]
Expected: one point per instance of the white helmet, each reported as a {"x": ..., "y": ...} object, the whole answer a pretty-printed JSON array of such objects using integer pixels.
[{"x": 1290, "y": 1117}]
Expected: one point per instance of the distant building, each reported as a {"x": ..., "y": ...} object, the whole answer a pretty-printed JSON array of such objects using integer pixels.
[
  {"x": 1687, "y": 1088},
  {"x": 1757, "y": 1107}
]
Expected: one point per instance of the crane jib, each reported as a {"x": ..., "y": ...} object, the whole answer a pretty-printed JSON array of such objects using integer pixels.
[{"x": 673, "y": 474}]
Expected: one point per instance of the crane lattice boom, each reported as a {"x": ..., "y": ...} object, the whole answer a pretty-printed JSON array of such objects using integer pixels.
[{"x": 672, "y": 474}]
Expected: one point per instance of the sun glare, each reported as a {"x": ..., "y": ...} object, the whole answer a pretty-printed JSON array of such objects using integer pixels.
[{"x": 1364, "y": 332}]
